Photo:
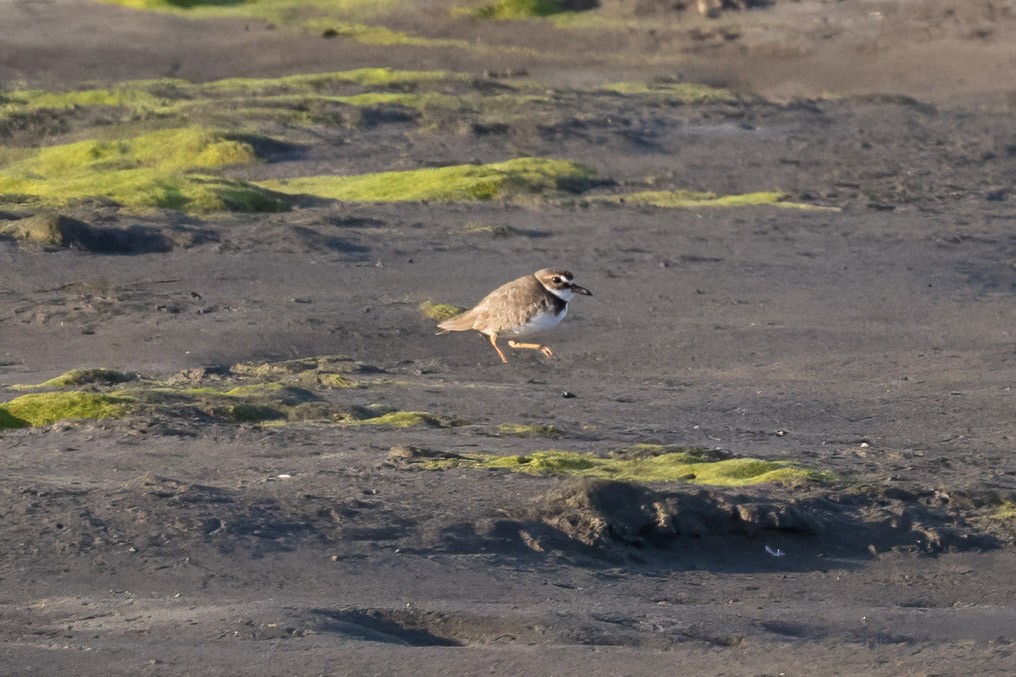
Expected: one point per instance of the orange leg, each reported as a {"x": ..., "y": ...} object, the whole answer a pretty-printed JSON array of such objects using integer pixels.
[
  {"x": 532, "y": 346},
  {"x": 493, "y": 342}
]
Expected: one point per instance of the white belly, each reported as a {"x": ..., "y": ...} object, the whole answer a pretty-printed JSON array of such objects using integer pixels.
[{"x": 540, "y": 323}]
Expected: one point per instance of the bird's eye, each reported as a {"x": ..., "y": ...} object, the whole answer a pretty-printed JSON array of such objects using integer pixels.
[{"x": 556, "y": 280}]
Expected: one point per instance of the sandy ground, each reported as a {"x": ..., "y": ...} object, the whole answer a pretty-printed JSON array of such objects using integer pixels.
[{"x": 874, "y": 342}]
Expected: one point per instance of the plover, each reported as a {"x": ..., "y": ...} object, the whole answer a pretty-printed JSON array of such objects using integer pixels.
[{"x": 525, "y": 306}]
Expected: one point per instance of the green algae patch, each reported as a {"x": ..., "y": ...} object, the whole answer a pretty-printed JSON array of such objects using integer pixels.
[
  {"x": 678, "y": 92},
  {"x": 41, "y": 409},
  {"x": 244, "y": 404},
  {"x": 168, "y": 150},
  {"x": 81, "y": 377},
  {"x": 141, "y": 190},
  {"x": 1005, "y": 512},
  {"x": 372, "y": 34},
  {"x": 686, "y": 199},
  {"x": 456, "y": 183},
  {"x": 9, "y": 420},
  {"x": 246, "y": 412},
  {"x": 127, "y": 96},
  {"x": 174, "y": 97},
  {"x": 520, "y": 9},
  {"x": 278, "y": 394},
  {"x": 688, "y": 467},
  {"x": 405, "y": 419},
  {"x": 439, "y": 312},
  {"x": 329, "y": 371},
  {"x": 308, "y": 98},
  {"x": 528, "y": 430},
  {"x": 130, "y": 101},
  {"x": 330, "y": 18},
  {"x": 272, "y": 393},
  {"x": 248, "y": 403},
  {"x": 317, "y": 82},
  {"x": 256, "y": 390},
  {"x": 166, "y": 169}
]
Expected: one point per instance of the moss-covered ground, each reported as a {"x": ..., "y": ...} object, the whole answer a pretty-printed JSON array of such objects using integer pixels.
[
  {"x": 303, "y": 390},
  {"x": 311, "y": 14},
  {"x": 439, "y": 312},
  {"x": 39, "y": 409},
  {"x": 314, "y": 390},
  {"x": 520, "y": 9},
  {"x": 81, "y": 377},
  {"x": 449, "y": 184},
  {"x": 173, "y": 144},
  {"x": 528, "y": 430},
  {"x": 351, "y": 19},
  {"x": 171, "y": 168},
  {"x": 688, "y": 466},
  {"x": 1006, "y": 512}
]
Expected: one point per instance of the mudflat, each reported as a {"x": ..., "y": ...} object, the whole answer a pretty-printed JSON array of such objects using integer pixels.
[{"x": 777, "y": 439}]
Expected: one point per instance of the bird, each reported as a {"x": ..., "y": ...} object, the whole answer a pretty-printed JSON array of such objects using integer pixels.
[{"x": 527, "y": 305}]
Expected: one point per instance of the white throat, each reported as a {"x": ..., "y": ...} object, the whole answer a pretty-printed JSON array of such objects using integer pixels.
[{"x": 563, "y": 294}]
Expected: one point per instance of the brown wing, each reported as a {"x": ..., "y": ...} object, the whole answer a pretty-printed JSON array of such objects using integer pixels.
[{"x": 509, "y": 306}]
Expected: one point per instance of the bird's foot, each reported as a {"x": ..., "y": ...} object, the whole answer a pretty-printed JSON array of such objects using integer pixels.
[{"x": 532, "y": 346}]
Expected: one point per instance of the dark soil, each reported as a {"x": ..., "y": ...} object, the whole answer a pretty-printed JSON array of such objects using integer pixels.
[{"x": 874, "y": 342}]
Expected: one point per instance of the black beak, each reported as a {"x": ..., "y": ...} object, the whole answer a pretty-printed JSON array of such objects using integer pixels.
[{"x": 581, "y": 290}]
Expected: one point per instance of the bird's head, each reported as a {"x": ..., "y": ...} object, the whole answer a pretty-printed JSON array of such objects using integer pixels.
[{"x": 560, "y": 283}]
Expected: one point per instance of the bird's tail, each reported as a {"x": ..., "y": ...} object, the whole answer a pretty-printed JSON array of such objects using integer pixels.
[{"x": 462, "y": 322}]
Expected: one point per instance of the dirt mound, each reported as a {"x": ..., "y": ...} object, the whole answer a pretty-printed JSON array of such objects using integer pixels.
[
  {"x": 57, "y": 230},
  {"x": 615, "y": 519}
]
